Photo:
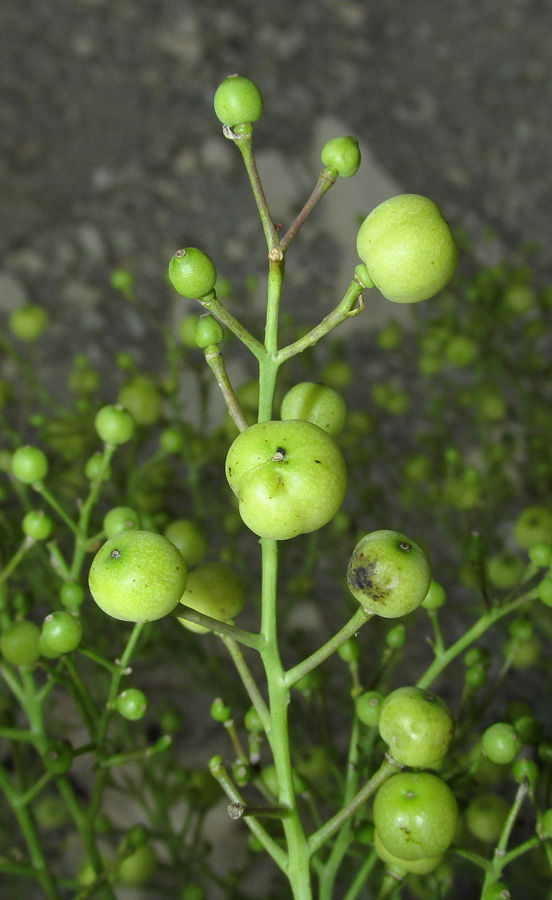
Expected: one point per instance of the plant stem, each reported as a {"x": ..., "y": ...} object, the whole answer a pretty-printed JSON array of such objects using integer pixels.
[
  {"x": 320, "y": 837},
  {"x": 278, "y": 735},
  {"x": 442, "y": 660},
  {"x": 294, "y": 675},
  {"x": 323, "y": 185}
]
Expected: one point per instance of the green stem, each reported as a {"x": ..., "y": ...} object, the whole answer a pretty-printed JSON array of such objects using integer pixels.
[
  {"x": 17, "y": 557},
  {"x": 442, "y": 660},
  {"x": 298, "y": 872},
  {"x": 248, "y": 681},
  {"x": 215, "y": 307},
  {"x": 215, "y": 362},
  {"x": 351, "y": 305},
  {"x": 248, "y": 638},
  {"x": 325, "y": 180},
  {"x": 320, "y": 837},
  {"x": 245, "y": 144},
  {"x": 294, "y": 675}
]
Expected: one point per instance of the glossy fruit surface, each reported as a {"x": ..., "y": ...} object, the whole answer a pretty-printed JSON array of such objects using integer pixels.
[
  {"x": 120, "y": 518},
  {"x": 408, "y": 248},
  {"x": 137, "y": 576},
  {"x": 388, "y": 574},
  {"x": 237, "y": 101},
  {"x": 316, "y": 403},
  {"x": 501, "y": 743},
  {"x": 131, "y": 704},
  {"x": 289, "y": 477},
  {"x": 368, "y": 707},
  {"x": 415, "y": 815},
  {"x": 192, "y": 273},
  {"x": 416, "y": 725},
  {"x": 114, "y": 425},
  {"x": 486, "y": 815},
  {"x": 37, "y": 525},
  {"x": 215, "y": 590},
  {"x": 142, "y": 400},
  {"x": 190, "y": 539},
  {"x": 208, "y": 331},
  {"x": 29, "y": 464},
  {"x": 19, "y": 643},
  {"x": 342, "y": 154},
  {"x": 401, "y": 866},
  {"x": 61, "y": 633}
]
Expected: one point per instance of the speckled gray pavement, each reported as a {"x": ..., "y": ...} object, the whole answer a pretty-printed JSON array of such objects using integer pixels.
[{"x": 110, "y": 153}]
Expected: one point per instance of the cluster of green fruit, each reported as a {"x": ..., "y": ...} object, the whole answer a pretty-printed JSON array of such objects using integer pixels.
[{"x": 290, "y": 476}]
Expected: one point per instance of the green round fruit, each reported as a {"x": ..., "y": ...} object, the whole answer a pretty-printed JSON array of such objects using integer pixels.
[
  {"x": 496, "y": 891},
  {"x": 501, "y": 743},
  {"x": 142, "y": 400},
  {"x": 401, "y": 867},
  {"x": 19, "y": 643},
  {"x": 61, "y": 633},
  {"x": 388, "y": 574},
  {"x": 139, "y": 866},
  {"x": 192, "y": 273},
  {"x": 435, "y": 597},
  {"x": 114, "y": 425},
  {"x": 238, "y": 101},
  {"x": 28, "y": 322},
  {"x": 368, "y": 707},
  {"x": 120, "y": 518},
  {"x": 289, "y": 477},
  {"x": 416, "y": 725},
  {"x": 137, "y": 576},
  {"x": 342, "y": 156},
  {"x": 533, "y": 526},
  {"x": 37, "y": 525},
  {"x": 315, "y": 403},
  {"x": 505, "y": 570},
  {"x": 408, "y": 248},
  {"x": 131, "y": 704},
  {"x": 208, "y": 331},
  {"x": 415, "y": 815},
  {"x": 486, "y": 815},
  {"x": 215, "y": 590},
  {"x": 71, "y": 594},
  {"x": 190, "y": 539},
  {"x": 29, "y": 464}
]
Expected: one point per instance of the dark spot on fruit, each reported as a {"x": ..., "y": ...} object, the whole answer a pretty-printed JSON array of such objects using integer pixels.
[
  {"x": 361, "y": 578},
  {"x": 405, "y": 547},
  {"x": 318, "y": 461},
  {"x": 115, "y": 554},
  {"x": 279, "y": 455}
]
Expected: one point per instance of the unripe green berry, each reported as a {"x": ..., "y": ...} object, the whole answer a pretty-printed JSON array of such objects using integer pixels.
[
  {"x": 118, "y": 519},
  {"x": 28, "y": 322},
  {"x": 192, "y": 273},
  {"x": 131, "y": 704},
  {"x": 71, "y": 594},
  {"x": 238, "y": 101},
  {"x": 408, "y": 248},
  {"x": 349, "y": 651},
  {"x": 29, "y": 464},
  {"x": 61, "y": 633},
  {"x": 368, "y": 707},
  {"x": 208, "y": 331},
  {"x": 142, "y": 400},
  {"x": 37, "y": 525},
  {"x": 220, "y": 712},
  {"x": 435, "y": 597},
  {"x": 19, "y": 643},
  {"x": 501, "y": 743},
  {"x": 114, "y": 425},
  {"x": 342, "y": 155}
]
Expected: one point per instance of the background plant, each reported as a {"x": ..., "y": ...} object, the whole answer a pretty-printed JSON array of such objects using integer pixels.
[{"x": 463, "y": 488}]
